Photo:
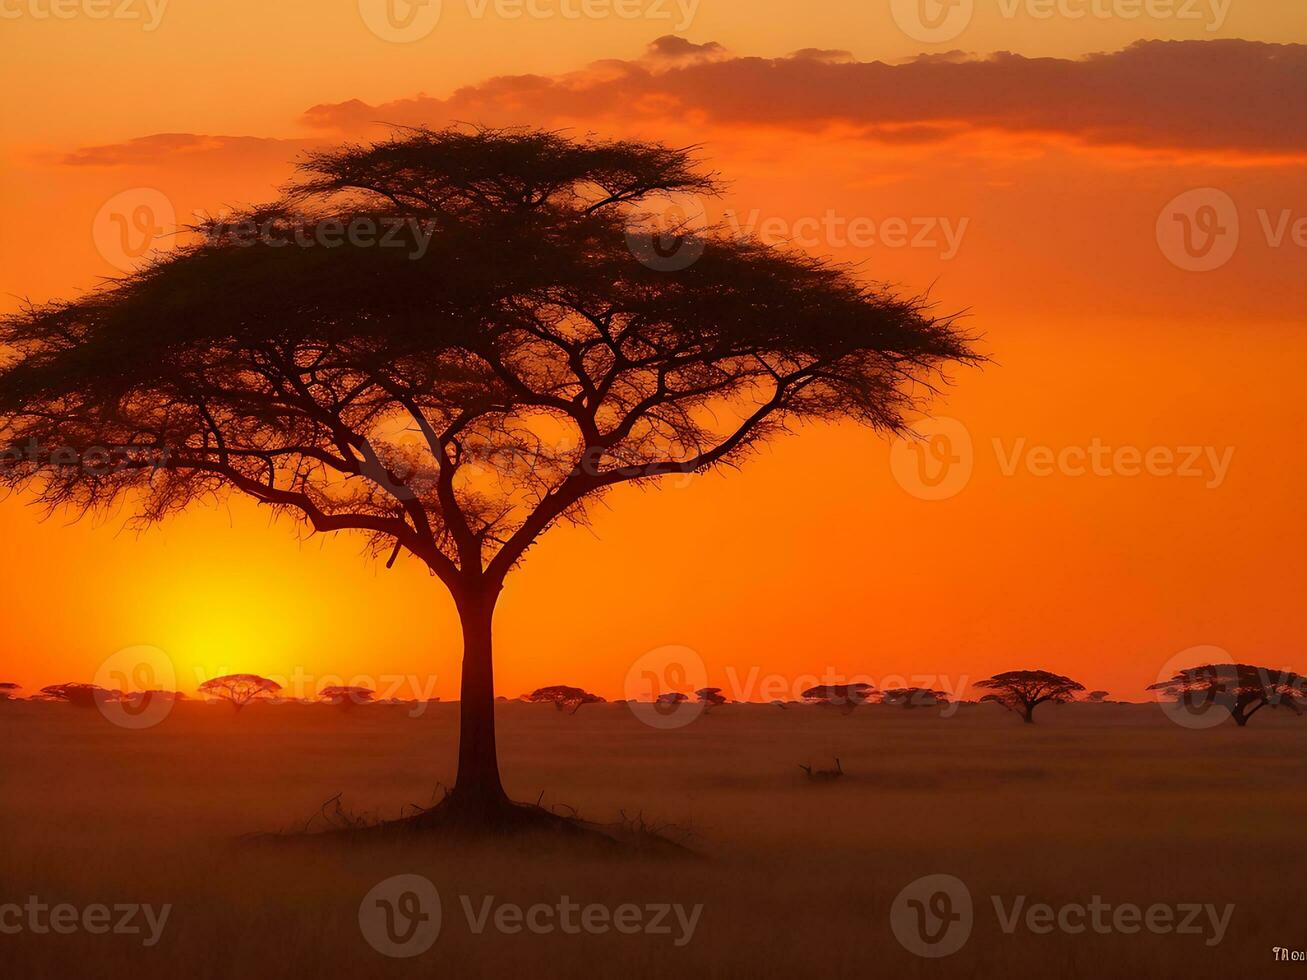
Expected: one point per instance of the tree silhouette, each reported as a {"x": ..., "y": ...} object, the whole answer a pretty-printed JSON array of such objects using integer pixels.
[
  {"x": 1241, "y": 689},
  {"x": 1096, "y": 697},
  {"x": 846, "y": 697},
  {"x": 1023, "y": 691},
  {"x": 504, "y": 349},
  {"x": 346, "y": 696},
  {"x": 238, "y": 689},
  {"x": 7, "y": 689},
  {"x": 671, "y": 699},
  {"x": 77, "y": 693},
  {"x": 913, "y": 697},
  {"x": 711, "y": 697},
  {"x": 562, "y": 697}
]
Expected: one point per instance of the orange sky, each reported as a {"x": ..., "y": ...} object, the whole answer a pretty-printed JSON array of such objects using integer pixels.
[{"x": 1033, "y": 185}]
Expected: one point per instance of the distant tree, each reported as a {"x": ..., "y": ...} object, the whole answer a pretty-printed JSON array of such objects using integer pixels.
[
  {"x": 524, "y": 351},
  {"x": 913, "y": 697},
  {"x": 710, "y": 696},
  {"x": 239, "y": 689},
  {"x": 1023, "y": 691},
  {"x": 1242, "y": 689},
  {"x": 846, "y": 697},
  {"x": 79, "y": 694},
  {"x": 1096, "y": 697},
  {"x": 7, "y": 689},
  {"x": 780, "y": 704},
  {"x": 346, "y": 696},
  {"x": 671, "y": 699},
  {"x": 562, "y": 697}
]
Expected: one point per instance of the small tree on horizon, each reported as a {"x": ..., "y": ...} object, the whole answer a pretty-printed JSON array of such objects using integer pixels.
[
  {"x": 525, "y": 351},
  {"x": 1242, "y": 689},
  {"x": 846, "y": 697},
  {"x": 913, "y": 697},
  {"x": 1096, "y": 697},
  {"x": 346, "y": 695},
  {"x": 77, "y": 693},
  {"x": 7, "y": 689},
  {"x": 562, "y": 697},
  {"x": 710, "y": 697},
  {"x": 238, "y": 689},
  {"x": 1022, "y": 691}
]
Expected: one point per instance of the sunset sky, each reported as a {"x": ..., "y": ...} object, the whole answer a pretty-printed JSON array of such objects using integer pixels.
[{"x": 1026, "y": 168}]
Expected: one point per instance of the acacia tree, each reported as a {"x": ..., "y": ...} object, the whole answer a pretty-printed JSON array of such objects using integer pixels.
[
  {"x": 1241, "y": 689},
  {"x": 846, "y": 697},
  {"x": 1023, "y": 691},
  {"x": 1096, "y": 697},
  {"x": 562, "y": 697},
  {"x": 519, "y": 355},
  {"x": 238, "y": 689},
  {"x": 913, "y": 697},
  {"x": 7, "y": 689},
  {"x": 710, "y": 697},
  {"x": 77, "y": 693},
  {"x": 346, "y": 695}
]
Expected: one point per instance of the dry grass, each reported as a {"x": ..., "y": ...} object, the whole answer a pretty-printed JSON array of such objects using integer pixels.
[{"x": 1112, "y": 800}]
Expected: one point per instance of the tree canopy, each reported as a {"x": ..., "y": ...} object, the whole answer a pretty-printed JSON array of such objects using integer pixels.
[
  {"x": 1242, "y": 689},
  {"x": 502, "y": 360},
  {"x": 1023, "y": 691}
]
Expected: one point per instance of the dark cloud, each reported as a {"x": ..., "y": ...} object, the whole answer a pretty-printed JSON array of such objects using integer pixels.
[
  {"x": 1234, "y": 97},
  {"x": 1189, "y": 95}
]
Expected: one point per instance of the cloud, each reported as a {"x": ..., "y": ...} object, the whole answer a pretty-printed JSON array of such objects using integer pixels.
[
  {"x": 1244, "y": 97},
  {"x": 1231, "y": 100},
  {"x": 147, "y": 149}
]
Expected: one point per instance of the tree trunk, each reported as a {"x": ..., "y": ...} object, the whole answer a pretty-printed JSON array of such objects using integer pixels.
[
  {"x": 1028, "y": 714},
  {"x": 477, "y": 789}
]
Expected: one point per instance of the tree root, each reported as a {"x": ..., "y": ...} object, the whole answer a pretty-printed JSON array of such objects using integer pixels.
[{"x": 452, "y": 818}]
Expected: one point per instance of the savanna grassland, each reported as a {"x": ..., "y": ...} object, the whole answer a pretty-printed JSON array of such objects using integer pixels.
[{"x": 796, "y": 878}]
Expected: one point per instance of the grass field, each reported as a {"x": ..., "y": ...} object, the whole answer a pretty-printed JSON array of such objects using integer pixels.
[{"x": 797, "y": 878}]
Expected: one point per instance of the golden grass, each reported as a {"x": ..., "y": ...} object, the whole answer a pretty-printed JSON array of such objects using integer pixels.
[{"x": 1108, "y": 800}]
